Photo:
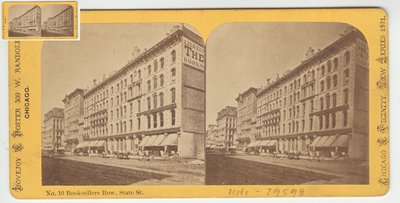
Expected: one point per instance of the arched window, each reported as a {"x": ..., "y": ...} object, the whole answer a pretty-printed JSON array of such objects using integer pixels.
[
  {"x": 161, "y": 99},
  {"x": 155, "y": 120},
  {"x": 173, "y": 117},
  {"x": 345, "y": 118},
  {"x": 328, "y": 101},
  {"x": 149, "y": 69},
  {"x": 138, "y": 123},
  {"x": 322, "y": 70},
  {"x": 148, "y": 122},
  {"x": 162, "y": 62},
  {"x": 345, "y": 96},
  {"x": 149, "y": 85},
  {"x": 117, "y": 112},
  {"x": 148, "y": 103},
  {"x": 173, "y": 56},
  {"x": 335, "y": 63},
  {"x": 322, "y": 85},
  {"x": 173, "y": 72},
  {"x": 173, "y": 95},
  {"x": 321, "y": 122},
  {"x": 117, "y": 128},
  {"x": 139, "y": 74},
  {"x": 321, "y": 103},
  {"x": 155, "y": 65},
  {"x": 347, "y": 58},
  {"x": 161, "y": 119},
  {"x": 335, "y": 81},
  {"x": 334, "y": 98},
  {"x": 161, "y": 80},
  {"x": 327, "y": 121},
  {"x": 346, "y": 75},
  {"x": 333, "y": 120},
  {"x": 328, "y": 82},
  {"x": 329, "y": 65},
  {"x": 155, "y": 82},
  {"x": 111, "y": 128},
  {"x": 155, "y": 100}
]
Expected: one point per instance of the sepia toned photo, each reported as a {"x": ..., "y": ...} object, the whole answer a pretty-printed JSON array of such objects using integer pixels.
[
  {"x": 57, "y": 20},
  {"x": 124, "y": 106},
  {"x": 24, "y": 20},
  {"x": 287, "y": 104}
]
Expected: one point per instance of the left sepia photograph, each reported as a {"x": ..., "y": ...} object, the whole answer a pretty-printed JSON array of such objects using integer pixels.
[{"x": 125, "y": 105}]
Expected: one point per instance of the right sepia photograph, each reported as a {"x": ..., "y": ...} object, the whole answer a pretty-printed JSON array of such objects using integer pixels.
[{"x": 287, "y": 103}]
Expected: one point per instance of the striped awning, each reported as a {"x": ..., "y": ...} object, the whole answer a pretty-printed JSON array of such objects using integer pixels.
[
  {"x": 159, "y": 139},
  {"x": 171, "y": 140},
  {"x": 341, "y": 141},
  {"x": 254, "y": 144},
  {"x": 264, "y": 143},
  {"x": 150, "y": 141},
  {"x": 272, "y": 143},
  {"x": 100, "y": 143},
  {"x": 322, "y": 141},
  {"x": 329, "y": 141},
  {"x": 314, "y": 143},
  {"x": 144, "y": 141}
]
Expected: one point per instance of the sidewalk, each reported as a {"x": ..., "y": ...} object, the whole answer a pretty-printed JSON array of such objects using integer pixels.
[
  {"x": 347, "y": 171},
  {"x": 180, "y": 171}
]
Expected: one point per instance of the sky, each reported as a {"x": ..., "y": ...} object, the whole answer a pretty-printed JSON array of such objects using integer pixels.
[
  {"x": 102, "y": 49},
  {"x": 243, "y": 55}
]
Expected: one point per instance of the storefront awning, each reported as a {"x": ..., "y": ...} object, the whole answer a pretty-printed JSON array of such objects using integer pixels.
[
  {"x": 100, "y": 143},
  {"x": 322, "y": 141},
  {"x": 171, "y": 140},
  {"x": 272, "y": 143},
  {"x": 314, "y": 143},
  {"x": 264, "y": 143},
  {"x": 158, "y": 140},
  {"x": 341, "y": 141},
  {"x": 150, "y": 141},
  {"x": 80, "y": 145},
  {"x": 254, "y": 144},
  {"x": 144, "y": 140},
  {"x": 329, "y": 141},
  {"x": 92, "y": 143}
]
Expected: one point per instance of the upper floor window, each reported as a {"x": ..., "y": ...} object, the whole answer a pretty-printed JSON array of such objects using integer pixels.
[
  {"x": 322, "y": 70},
  {"x": 161, "y": 99},
  {"x": 329, "y": 65},
  {"x": 322, "y": 86},
  {"x": 161, "y": 119},
  {"x": 139, "y": 74},
  {"x": 173, "y": 56},
  {"x": 155, "y": 82},
  {"x": 328, "y": 83},
  {"x": 334, "y": 100},
  {"x": 161, "y": 80},
  {"x": 173, "y": 95},
  {"x": 162, "y": 62},
  {"x": 148, "y": 85},
  {"x": 149, "y": 69},
  {"x": 345, "y": 96},
  {"x": 335, "y": 63},
  {"x": 335, "y": 81},
  {"x": 173, "y": 72},
  {"x": 173, "y": 117},
  {"x": 155, "y": 64},
  {"x": 155, "y": 101},
  {"x": 148, "y": 103},
  {"x": 347, "y": 58}
]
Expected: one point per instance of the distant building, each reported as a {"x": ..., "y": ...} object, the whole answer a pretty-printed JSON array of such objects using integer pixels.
[
  {"x": 155, "y": 103},
  {"x": 226, "y": 126},
  {"x": 73, "y": 114},
  {"x": 321, "y": 105},
  {"x": 211, "y": 139},
  {"x": 28, "y": 23},
  {"x": 246, "y": 117},
  {"x": 62, "y": 23},
  {"x": 53, "y": 130}
]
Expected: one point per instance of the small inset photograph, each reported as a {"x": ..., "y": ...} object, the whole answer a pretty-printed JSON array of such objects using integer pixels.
[
  {"x": 24, "y": 20},
  {"x": 57, "y": 20}
]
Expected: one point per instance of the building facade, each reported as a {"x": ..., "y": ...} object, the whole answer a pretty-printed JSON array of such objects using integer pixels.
[
  {"x": 226, "y": 126},
  {"x": 73, "y": 113},
  {"x": 62, "y": 23},
  {"x": 211, "y": 136},
  {"x": 246, "y": 117},
  {"x": 155, "y": 103},
  {"x": 321, "y": 105},
  {"x": 53, "y": 130},
  {"x": 28, "y": 23}
]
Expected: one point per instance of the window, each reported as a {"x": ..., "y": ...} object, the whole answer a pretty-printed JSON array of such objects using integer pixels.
[
  {"x": 161, "y": 80},
  {"x": 311, "y": 105},
  {"x": 311, "y": 124},
  {"x": 328, "y": 83},
  {"x": 117, "y": 128},
  {"x": 345, "y": 118},
  {"x": 138, "y": 123},
  {"x": 329, "y": 65},
  {"x": 321, "y": 102},
  {"x": 335, "y": 63},
  {"x": 173, "y": 72},
  {"x": 161, "y": 99},
  {"x": 173, "y": 117},
  {"x": 161, "y": 62},
  {"x": 333, "y": 120},
  {"x": 346, "y": 76},
  {"x": 334, "y": 97},
  {"x": 117, "y": 112},
  {"x": 139, "y": 103},
  {"x": 131, "y": 109},
  {"x": 328, "y": 101},
  {"x": 111, "y": 115},
  {"x": 111, "y": 127},
  {"x": 161, "y": 119},
  {"x": 148, "y": 103},
  {"x": 173, "y": 56},
  {"x": 155, "y": 64},
  {"x": 347, "y": 58},
  {"x": 155, "y": 82},
  {"x": 131, "y": 76},
  {"x": 322, "y": 70},
  {"x": 148, "y": 85},
  {"x": 125, "y": 110},
  {"x": 139, "y": 74},
  {"x": 155, "y": 120},
  {"x": 335, "y": 81},
  {"x": 322, "y": 86},
  {"x": 149, "y": 69},
  {"x": 321, "y": 123},
  {"x": 173, "y": 95},
  {"x": 148, "y": 122},
  {"x": 345, "y": 96},
  {"x": 327, "y": 121},
  {"x": 155, "y": 100}
]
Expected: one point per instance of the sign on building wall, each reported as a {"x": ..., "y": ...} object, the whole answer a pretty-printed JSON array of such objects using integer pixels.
[{"x": 193, "y": 54}]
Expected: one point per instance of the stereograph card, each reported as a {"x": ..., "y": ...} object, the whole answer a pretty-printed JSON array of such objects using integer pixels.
[{"x": 196, "y": 103}]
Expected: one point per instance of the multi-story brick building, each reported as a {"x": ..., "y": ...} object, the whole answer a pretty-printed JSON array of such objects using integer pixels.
[
  {"x": 154, "y": 103},
  {"x": 28, "y": 23},
  {"x": 73, "y": 113},
  {"x": 62, "y": 23},
  {"x": 53, "y": 130},
  {"x": 320, "y": 105},
  {"x": 226, "y": 126},
  {"x": 246, "y": 117}
]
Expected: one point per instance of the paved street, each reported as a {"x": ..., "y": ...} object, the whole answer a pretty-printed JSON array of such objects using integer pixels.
[
  {"x": 18, "y": 34},
  {"x": 51, "y": 34},
  {"x": 242, "y": 170},
  {"x": 78, "y": 170}
]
